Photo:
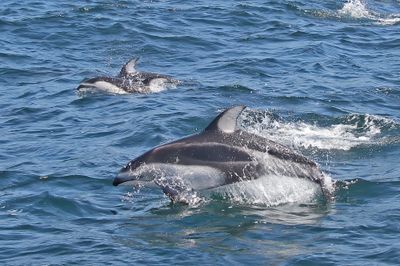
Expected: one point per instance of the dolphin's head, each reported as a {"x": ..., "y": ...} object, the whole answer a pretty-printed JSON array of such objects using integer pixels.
[
  {"x": 129, "y": 172},
  {"x": 105, "y": 84},
  {"x": 137, "y": 171}
]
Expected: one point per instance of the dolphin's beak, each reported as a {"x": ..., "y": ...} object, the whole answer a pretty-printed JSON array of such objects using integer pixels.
[
  {"x": 134, "y": 173},
  {"x": 85, "y": 85},
  {"x": 118, "y": 181},
  {"x": 123, "y": 177},
  {"x": 80, "y": 87}
]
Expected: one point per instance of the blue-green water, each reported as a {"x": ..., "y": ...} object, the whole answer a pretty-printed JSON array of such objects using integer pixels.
[{"x": 319, "y": 76}]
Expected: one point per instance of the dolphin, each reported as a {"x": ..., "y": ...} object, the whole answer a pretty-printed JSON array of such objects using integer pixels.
[
  {"x": 221, "y": 154},
  {"x": 129, "y": 80}
]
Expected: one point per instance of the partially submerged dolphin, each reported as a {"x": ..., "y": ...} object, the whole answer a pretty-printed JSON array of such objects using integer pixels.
[
  {"x": 129, "y": 80},
  {"x": 222, "y": 154}
]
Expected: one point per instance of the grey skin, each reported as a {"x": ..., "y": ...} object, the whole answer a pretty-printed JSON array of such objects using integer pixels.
[
  {"x": 230, "y": 155},
  {"x": 129, "y": 80}
]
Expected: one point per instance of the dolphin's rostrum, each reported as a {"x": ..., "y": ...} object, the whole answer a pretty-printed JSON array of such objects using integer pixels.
[
  {"x": 222, "y": 154},
  {"x": 129, "y": 80}
]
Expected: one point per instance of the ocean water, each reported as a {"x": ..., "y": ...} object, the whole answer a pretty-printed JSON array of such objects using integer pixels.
[{"x": 319, "y": 76}]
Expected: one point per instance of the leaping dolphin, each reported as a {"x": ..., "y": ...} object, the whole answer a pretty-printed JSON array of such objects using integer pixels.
[
  {"x": 129, "y": 80},
  {"x": 222, "y": 154}
]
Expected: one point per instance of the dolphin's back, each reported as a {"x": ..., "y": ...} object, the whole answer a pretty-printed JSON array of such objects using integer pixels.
[{"x": 198, "y": 153}]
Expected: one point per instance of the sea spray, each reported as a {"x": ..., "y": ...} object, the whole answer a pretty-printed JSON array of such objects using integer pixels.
[{"x": 345, "y": 133}]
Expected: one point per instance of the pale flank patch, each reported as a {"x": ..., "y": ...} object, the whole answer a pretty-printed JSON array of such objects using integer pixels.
[
  {"x": 109, "y": 87},
  {"x": 197, "y": 177}
]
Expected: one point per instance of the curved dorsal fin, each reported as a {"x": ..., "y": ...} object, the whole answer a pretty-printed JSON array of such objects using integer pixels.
[
  {"x": 129, "y": 68},
  {"x": 227, "y": 120}
]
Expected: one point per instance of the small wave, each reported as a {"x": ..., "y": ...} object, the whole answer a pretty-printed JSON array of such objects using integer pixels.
[
  {"x": 358, "y": 189},
  {"x": 235, "y": 88},
  {"x": 343, "y": 134}
]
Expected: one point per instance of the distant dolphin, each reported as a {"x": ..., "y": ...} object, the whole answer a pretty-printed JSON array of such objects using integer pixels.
[
  {"x": 129, "y": 80},
  {"x": 222, "y": 154}
]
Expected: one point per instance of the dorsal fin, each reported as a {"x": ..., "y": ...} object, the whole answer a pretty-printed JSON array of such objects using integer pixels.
[
  {"x": 129, "y": 68},
  {"x": 227, "y": 120}
]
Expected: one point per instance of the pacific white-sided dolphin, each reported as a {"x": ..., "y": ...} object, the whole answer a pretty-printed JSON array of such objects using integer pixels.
[
  {"x": 222, "y": 154},
  {"x": 129, "y": 80}
]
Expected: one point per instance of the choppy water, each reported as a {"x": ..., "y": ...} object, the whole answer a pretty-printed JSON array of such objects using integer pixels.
[{"x": 319, "y": 76}]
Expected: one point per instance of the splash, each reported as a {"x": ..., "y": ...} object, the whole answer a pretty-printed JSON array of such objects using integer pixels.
[
  {"x": 355, "y": 9},
  {"x": 178, "y": 191},
  {"x": 358, "y": 9},
  {"x": 283, "y": 182},
  {"x": 349, "y": 132},
  {"x": 270, "y": 190}
]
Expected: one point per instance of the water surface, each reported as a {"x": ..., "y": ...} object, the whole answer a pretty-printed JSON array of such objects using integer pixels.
[{"x": 319, "y": 76}]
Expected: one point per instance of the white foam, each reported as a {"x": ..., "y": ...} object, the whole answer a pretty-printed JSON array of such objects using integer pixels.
[
  {"x": 355, "y": 9},
  {"x": 358, "y": 9},
  {"x": 354, "y": 130},
  {"x": 14, "y": 212}
]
